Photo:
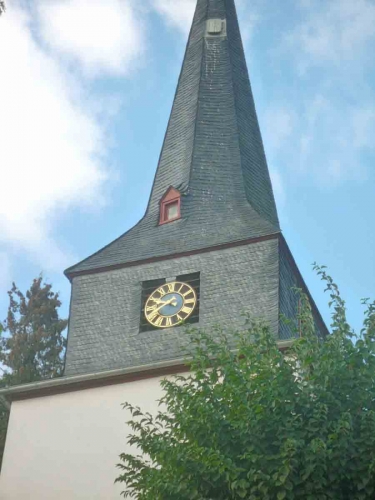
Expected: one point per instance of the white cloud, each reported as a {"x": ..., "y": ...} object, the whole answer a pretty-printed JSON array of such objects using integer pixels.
[
  {"x": 279, "y": 126},
  {"x": 335, "y": 31},
  {"x": 363, "y": 121},
  {"x": 329, "y": 52},
  {"x": 333, "y": 136},
  {"x": 100, "y": 35},
  {"x": 249, "y": 19},
  {"x": 177, "y": 13},
  {"x": 278, "y": 187},
  {"x": 324, "y": 141},
  {"x": 51, "y": 155},
  {"x": 53, "y": 132},
  {"x": 54, "y": 140},
  {"x": 5, "y": 270}
]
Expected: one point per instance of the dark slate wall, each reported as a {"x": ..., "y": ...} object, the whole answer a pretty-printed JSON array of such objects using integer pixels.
[
  {"x": 104, "y": 324},
  {"x": 288, "y": 297},
  {"x": 289, "y": 279}
]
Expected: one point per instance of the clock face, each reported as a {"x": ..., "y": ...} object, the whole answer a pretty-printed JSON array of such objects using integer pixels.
[{"x": 170, "y": 304}]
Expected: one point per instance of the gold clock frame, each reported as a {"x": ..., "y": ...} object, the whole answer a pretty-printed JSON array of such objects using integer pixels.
[{"x": 152, "y": 306}]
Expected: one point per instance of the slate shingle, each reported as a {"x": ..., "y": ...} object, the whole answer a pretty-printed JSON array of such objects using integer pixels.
[
  {"x": 212, "y": 152},
  {"x": 104, "y": 329}
]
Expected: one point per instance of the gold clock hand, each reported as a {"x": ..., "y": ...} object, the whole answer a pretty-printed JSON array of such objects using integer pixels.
[
  {"x": 172, "y": 301},
  {"x": 158, "y": 301}
]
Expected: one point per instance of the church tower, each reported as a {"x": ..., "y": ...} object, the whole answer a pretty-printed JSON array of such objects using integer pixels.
[
  {"x": 208, "y": 249},
  {"x": 209, "y": 246}
]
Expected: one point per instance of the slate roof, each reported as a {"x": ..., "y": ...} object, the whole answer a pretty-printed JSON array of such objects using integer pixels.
[{"x": 212, "y": 153}]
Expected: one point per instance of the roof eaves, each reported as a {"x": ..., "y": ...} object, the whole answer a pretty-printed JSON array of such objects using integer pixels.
[{"x": 98, "y": 379}]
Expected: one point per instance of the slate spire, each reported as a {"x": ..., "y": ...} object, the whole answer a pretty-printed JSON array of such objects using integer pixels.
[
  {"x": 213, "y": 137},
  {"x": 212, "y": 153}
]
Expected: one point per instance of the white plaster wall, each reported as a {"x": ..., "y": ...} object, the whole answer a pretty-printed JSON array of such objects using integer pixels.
[{"x": 66, "y": 447}]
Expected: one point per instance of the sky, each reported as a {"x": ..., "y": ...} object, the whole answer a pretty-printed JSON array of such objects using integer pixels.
[{"x": 86, "y": 88}]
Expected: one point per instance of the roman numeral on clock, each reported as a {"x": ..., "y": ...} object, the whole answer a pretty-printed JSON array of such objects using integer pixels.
[
  {"x": 159, "y": 321},
  {"x": 186, "y": 310},
  {"x": 153, "y": 315}
]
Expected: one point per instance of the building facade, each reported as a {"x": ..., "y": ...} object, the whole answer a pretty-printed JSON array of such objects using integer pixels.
[{"x": 208, "y": 249}]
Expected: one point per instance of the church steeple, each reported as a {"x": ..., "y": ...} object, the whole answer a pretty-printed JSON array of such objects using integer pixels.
[
  {"x": 212, "y": 154},
  {"x": 210, "y": 227},
  {"x": 213, "y": 148},
  {"x": 207, "y": 252}
]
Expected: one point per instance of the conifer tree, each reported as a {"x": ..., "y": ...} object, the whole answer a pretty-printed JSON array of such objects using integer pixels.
[
  {"x": 33, "y": 344},
  {"x": 32, "y": 341}
]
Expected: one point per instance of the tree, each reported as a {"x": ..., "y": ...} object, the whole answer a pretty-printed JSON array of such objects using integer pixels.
[
  {"x": 2, "y": 7},
  {"x": 35, "y": 344},
  {"x": 256, "y": 423},
  {"x": 32, "y": 343}
]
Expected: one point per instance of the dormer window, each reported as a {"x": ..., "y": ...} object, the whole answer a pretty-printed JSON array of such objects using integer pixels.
[{"x": 170, "y": 206}]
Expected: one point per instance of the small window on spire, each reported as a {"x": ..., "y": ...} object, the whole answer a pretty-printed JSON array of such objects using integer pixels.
[
  {"x": 172, "y": 210},
  {"x": 214, "y": 26},
  {"x": 170, "y": 206}
]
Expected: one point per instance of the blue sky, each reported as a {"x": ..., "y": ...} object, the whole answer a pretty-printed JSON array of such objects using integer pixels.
[{"x": 86, "y": 89}]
